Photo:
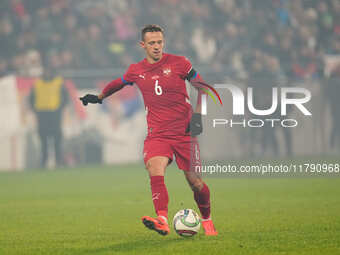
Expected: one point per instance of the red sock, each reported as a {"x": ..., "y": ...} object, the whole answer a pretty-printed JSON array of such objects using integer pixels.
[
  {"x": 202, "y": 199},
  {"x": 160, "y": 196}
]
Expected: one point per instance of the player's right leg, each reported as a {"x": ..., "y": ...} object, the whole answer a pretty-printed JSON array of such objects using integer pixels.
[{"x": 156, "y": 167}]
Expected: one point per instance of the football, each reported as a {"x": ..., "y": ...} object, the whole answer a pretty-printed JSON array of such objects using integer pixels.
[{"x": 186, "y": 223}]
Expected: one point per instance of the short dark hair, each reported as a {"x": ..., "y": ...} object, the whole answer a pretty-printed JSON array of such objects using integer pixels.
[{"x": 151, "y": 28}]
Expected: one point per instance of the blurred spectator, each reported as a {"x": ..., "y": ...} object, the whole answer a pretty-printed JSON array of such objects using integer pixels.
[
  {"x": 48, "y": 99},
  {"x": 33, "y": 63},
  {"x": 204, "y": 45},
  {"x": 96, "y": 48}
]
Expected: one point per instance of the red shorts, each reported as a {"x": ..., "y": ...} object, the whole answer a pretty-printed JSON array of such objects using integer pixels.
[{"x": 185, "y": 149}]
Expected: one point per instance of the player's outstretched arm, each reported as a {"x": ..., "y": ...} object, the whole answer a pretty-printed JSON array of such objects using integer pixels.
[{"x": 109, "y": 89}]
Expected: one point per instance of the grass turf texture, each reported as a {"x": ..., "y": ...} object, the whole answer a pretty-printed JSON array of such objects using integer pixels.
[{"x": 97, "y": 210}]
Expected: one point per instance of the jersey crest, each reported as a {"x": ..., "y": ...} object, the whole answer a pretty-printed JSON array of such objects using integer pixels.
[{"x": 167, "y": 71}]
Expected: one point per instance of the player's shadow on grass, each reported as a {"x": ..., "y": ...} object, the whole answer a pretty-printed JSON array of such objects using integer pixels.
[{"x": 139, "y": 245}]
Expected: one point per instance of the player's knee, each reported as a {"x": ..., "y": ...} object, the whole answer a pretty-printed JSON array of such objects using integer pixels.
[
  {"x": 197, "y": 185},
  {"x": 154, "y": 169},
  {"x": 195, "y": 181},
  {"x": 157, "y": 165}
]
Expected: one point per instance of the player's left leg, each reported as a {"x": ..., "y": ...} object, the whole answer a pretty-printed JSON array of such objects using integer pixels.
[
  {"x": 201, "y": 192},
  {"x": 188, "y": 158},
  {"x": 202, "y": 198}
]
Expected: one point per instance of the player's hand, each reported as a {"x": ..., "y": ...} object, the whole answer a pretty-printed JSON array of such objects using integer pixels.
[
  {"x": 93, "y": 99},
  {"x": 195, "y": 126}
]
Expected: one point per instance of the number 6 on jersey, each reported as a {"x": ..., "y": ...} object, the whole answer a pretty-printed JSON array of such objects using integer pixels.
[{"x": 158, "y": 89}]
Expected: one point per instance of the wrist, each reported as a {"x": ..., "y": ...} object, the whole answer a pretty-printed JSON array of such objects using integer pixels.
[{"x": 101, "y": 96}]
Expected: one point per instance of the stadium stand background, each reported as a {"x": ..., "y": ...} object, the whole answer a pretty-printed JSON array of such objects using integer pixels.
[{"x": 253, "y": 43}]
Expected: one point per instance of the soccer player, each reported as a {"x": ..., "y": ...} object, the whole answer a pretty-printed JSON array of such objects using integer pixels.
[{"x": 172, "y": 123}]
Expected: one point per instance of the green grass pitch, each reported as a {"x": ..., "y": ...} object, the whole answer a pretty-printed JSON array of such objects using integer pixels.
[{"x": 97, "y": 210}]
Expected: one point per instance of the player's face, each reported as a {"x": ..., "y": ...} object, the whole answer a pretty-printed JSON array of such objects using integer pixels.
[{"x": 153, "y": 45}]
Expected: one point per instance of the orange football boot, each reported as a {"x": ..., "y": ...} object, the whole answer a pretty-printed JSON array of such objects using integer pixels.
[
  {"x": 158, "y": 224},
  {"x": 209, "y": 228}
]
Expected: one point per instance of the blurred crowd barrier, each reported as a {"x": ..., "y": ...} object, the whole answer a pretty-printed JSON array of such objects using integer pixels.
[
  {"x": 109, "y": 133},
  {"x": 113, "y": 132}
]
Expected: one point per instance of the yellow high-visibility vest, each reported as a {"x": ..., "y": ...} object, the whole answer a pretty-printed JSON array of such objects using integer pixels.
[{"x": 48, "y": 94}]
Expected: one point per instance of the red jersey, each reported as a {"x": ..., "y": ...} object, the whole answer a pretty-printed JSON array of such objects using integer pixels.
[{"x": 166, "y": 99}]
